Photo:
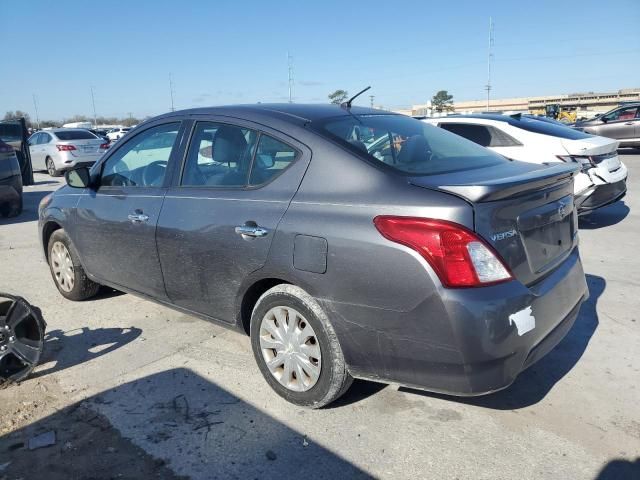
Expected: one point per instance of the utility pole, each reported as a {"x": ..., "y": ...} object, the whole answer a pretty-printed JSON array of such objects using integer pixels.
[
  {"x": 35, "y": 105},
  {"x": 371, "y": 97},
  {"x": 93, "y": 102},
  {"x": 290, "y": 69},
  {"x": 171, "y": 92},
  {"x": 489, "y": 58},
  {"x": 130, "y": 119}
]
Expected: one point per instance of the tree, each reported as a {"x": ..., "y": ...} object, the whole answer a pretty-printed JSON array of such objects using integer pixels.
[
  {"x": 442, "y": 101},
  {"x": 18, "y": 114},
  {"x": 338, "y": 96}
]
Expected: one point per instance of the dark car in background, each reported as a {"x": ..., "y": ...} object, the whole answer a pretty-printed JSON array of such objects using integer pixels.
[
  {"x": 15, "y": 133},
  {"x": 622, "y": 123},
  {"x": 426, "y": 260},
  {"x": 10, "y": 182}
]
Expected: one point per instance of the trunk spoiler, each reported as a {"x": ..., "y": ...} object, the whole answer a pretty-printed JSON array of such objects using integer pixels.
[{"x": 498, "y": 182}]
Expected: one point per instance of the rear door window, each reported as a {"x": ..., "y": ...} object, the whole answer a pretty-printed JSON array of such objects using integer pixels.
[
  {"x": 219, "y": 155},
  {"x": 272, "y": 157},
  {"x": 484, "y": 135},
  {"x": 405, "y": 144}
]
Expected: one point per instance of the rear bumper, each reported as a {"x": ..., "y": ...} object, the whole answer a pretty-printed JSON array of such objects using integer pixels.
[
  {"x": 601, "y": 196},
  {"x": 467, "y": 342}
]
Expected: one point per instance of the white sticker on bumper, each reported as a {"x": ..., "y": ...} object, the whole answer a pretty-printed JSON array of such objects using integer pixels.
[{"x": 524, "y": 320}]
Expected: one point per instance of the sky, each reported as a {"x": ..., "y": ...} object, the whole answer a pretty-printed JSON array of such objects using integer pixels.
[{"x": 225, "y": 52}]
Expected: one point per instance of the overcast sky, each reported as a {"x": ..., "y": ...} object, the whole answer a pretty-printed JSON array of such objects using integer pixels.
[{"x": 236, "y": 52}]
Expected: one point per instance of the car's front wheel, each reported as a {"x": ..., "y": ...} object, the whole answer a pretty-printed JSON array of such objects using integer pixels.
[
  {"x": 66, "y": 269},
  {"x": 297, "y": 349}
]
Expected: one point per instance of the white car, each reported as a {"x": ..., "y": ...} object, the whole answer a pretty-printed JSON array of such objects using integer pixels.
[
  {"x": 536, "y": 140},
  {"x": 117, "y": 133},
  {"x": 60, "y": 149}
]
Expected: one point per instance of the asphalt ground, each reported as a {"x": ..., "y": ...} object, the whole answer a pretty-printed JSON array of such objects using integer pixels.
[{"x": 136, "y": 390}]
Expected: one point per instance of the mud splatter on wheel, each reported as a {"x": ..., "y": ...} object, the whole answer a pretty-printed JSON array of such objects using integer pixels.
[{"x": 21, "y": 338}]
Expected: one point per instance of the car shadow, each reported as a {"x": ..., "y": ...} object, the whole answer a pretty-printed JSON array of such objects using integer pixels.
[
  {"x": 168, "y": 423},
  {"x": 74, "y": 347},
  {"x": 604, "y": 217},
  {"x": 620, "y": 469},
  {"x": 536, "y": 382},
  {"x": 30, "y": 201}
]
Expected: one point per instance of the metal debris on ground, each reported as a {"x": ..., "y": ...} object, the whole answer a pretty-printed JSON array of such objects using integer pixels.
[{"x": 43, "y": 440}]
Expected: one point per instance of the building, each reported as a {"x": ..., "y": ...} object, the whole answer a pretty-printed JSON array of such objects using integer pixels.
[{"x": 586, "y": 104}]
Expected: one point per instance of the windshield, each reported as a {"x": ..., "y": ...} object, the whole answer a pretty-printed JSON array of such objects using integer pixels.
[
  {"x": 406, "y": 144},
  {"x": 76, "y": 135}
]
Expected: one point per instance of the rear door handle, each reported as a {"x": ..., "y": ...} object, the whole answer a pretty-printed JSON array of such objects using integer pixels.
[
  {"x": 252, "y": 231},
  {"x": 630, "y": 123},
  {"x": 138, "y": 217}
]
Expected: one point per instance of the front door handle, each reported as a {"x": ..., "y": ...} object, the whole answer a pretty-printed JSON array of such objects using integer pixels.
[
  {"x": 138, "y": 217},
  {"x": 252, "y": 231}
]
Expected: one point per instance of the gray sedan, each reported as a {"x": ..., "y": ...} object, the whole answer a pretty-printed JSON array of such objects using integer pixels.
[{"x": 347, "y": 242}]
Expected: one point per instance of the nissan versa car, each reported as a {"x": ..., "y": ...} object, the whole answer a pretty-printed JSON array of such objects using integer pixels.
[
  {"x": 429, "y": 261},
  {"x": 61, "y": 149},
  {"x": 603, "y": 177}
]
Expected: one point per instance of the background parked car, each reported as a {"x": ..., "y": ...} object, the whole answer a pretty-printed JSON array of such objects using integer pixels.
[
  {"x": 15, "y": 133},
  {"x": 622, "y": 123},
  {"x": 10, "y": 182},
  {"x": 117, "y": 133},
  {"x": 544, "y": 141},
  {"x": 61, "y": 149},
  {"x": 100, "y": 133},
  {"x": 427, "y": 261}
]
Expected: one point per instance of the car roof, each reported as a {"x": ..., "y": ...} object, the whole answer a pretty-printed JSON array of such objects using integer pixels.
[
  {"x": 496, "y": 117},
  {"x": 292, "y": 111}
]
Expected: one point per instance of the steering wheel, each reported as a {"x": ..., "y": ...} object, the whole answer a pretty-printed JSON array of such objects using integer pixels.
[{"x": 153, "y": 172}]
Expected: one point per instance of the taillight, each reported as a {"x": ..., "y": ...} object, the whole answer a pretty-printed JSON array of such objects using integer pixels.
[
  {"x": 65, "y": 148},
  {"x": 104, "y": 146},
  {"x": 459, "y": 257}
]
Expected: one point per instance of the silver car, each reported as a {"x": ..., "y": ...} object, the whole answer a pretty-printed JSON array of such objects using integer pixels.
[
  {"x": 622, "y": 124},
  {"x": 62, "y": 149}
]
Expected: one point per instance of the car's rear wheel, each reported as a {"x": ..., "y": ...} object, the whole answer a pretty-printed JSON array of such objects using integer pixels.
[
  {"x": 51, "y": 168},
  {"x": 67, "y": 271},
  {"x": 296, "y": 348}
]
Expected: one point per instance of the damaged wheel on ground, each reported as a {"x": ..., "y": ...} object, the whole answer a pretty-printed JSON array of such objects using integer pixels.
[{"x": 22, "y": 331}]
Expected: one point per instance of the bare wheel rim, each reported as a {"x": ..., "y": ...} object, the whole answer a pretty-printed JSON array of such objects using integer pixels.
[
  {"x": 62, "y": 266},
  {"x": 51, "y": 167},
  {"x": 21, "y": 337},
  {"x": 290, "y": 349}
]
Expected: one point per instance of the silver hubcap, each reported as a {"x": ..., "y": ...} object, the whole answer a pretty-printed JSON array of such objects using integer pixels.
[
  {"x": 62, "y": 266},
  {"x": 290, "y": 349},
  {"x": 50, "y": 167}
]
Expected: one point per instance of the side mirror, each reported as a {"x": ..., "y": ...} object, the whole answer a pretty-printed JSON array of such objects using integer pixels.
[
  {"x": 604, "y": 119},
  {"x": 78, "y": 178}
]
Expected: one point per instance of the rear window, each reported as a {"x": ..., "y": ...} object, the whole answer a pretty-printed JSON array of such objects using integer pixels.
[
  {"x": 10, "y": 132},
  {"x": 546, "y": 128},
  {"x": 406, "y": 144},
  {"x": 76, "y": 135},
  {"x": 484, "y": 135}
]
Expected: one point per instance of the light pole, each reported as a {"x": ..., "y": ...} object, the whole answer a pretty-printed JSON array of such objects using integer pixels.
[
  {"x": 35, "y": 105},
  {"x": 93, "y": 102}
]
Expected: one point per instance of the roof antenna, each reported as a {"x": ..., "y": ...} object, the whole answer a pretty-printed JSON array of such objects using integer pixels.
[{"x": 347, "y": 104}]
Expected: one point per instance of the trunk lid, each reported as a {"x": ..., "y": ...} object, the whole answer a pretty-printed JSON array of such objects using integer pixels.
[{"x": 525, "y": 211}]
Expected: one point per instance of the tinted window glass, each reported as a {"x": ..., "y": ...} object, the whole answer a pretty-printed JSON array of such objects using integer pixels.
[
  {"x": 406, "y": 144},
  {"x": 142, "y": 161},
  {"x": 485, "y": 135},
  {"x": 76, "y": 135},
  {"x": 621, "y": 114},
  {"x": 272, "y": 157},
  {"x": 545, "y": 128},
  {"x": 10, "y": 132},
  {"x": 44, "y": 138},
  {"x": 219, "y": 155},
  {"x": 34, "y": 139},
  {"x": 476, "y": 133}
]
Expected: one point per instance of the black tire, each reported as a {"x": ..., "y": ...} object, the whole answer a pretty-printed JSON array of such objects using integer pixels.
[
  {"x": 51, "y": 168},
  {"x": 334, "y": 379},
  {"x": 83, "y": 287}
]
